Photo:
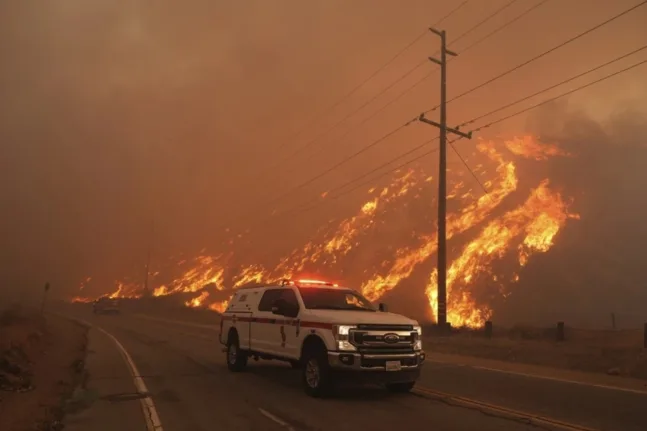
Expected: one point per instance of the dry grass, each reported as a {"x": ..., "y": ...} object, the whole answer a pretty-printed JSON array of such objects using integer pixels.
[
  {"x": 610, "y": 352},
  {"x": 40, "y": 363}
]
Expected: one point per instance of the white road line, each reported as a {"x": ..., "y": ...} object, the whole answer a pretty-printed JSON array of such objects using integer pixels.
[
  {"x": 153, "y": 422},
  {"x": 538, "y": 376},
  {"x": 151, "y": 417},
  {"x": 275, "y": 419}
]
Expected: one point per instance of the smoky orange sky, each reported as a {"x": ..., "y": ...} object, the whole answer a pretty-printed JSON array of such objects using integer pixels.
[{"x": 117, "y": 117}]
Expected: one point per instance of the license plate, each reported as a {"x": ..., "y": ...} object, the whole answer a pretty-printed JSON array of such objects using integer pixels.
[{"x": 393, "y": 366}]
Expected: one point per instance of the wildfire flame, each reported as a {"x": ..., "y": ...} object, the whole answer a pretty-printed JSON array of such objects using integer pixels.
[
  {"x": 468, "y": 217},
  {"x": 497, "y": 231},
  {"x": 539, "y": 218}
]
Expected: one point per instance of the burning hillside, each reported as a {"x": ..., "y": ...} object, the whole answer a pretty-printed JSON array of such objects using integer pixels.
[{"x": 393, "y": 235}]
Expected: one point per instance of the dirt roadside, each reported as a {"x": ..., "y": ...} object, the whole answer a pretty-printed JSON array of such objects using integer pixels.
[{"x": 41, "y": 362}]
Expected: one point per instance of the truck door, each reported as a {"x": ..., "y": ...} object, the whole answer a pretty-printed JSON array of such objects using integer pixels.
[
  {"x": 264, "y": 330},
  {"x": 288, "y": 343}
]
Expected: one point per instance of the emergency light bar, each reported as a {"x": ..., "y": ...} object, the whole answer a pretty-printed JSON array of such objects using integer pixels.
[{"x": 286, "y": 282}]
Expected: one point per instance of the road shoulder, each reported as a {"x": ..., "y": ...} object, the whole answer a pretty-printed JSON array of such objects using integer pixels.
[
  {"x": 107, "y": 399},
  {"x": 537, "y": 371}
]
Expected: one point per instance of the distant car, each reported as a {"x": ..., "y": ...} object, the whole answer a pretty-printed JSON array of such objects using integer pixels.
[{"x": 106, "y": 306}]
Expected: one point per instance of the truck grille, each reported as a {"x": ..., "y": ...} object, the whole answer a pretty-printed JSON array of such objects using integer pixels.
[
  {"x": 387, "y": 328},
  {"x": 387, "y": 341}
]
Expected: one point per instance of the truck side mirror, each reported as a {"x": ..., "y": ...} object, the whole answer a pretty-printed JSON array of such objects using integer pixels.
[{"x": 382, "y": 307}]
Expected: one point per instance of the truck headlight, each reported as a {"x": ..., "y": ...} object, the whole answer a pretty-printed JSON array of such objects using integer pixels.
[
  {"x": 342, "y": 340},
  {"x": 417, "y": 342}
]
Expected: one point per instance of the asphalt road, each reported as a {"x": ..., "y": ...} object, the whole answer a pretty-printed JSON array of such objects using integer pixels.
[{"x": 185, "y": 373}]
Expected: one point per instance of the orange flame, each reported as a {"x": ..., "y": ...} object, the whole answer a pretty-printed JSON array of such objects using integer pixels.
[
  {"x": 471, "y": 215},
  {"x": 540, "y": 218},
  {"x": 197, "y": 301},
  {"x": 527, "y": 229}
]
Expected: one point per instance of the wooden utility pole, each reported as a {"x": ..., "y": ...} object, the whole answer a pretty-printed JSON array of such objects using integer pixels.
[{"x": 442, "y": 176}]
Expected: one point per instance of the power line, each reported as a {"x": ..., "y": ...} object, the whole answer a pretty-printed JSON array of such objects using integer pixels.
[
  {"x": 483, "y": 21},
  {"x": 370, "y": 180},
  {"x": 467, "y": 166},
  {"x": 552, "y": 99},
  {"x": 507, "y": 117},
  {"x": 376, "y": 169},
  {"x": 392, "y": 59},
  {"x": 360, "y": 85},
  {"x": 434, "y": 71},
  {"x": 344, "y": 161},
  {"x": 543, "y": 54},
  {"x": 368, "y": 102},
  {"x": 400, "y": 79},
  {"x": 327, "y": 171},
  {"x": 501, "y": 27},
  {"x": 579, "y": 75},
  {"x": 404, "y": 125}
]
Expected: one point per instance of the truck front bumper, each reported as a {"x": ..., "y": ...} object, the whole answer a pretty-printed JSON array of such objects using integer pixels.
[
  {"x": 376, "y": 368},
  {"x": 376, "y": 362}
]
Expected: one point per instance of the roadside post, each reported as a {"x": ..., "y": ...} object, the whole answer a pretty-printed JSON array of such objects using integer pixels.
[
  {"x": 488, "y": 329},
  {"x": 45, "y": 290},
  {"x": 560, "y": 331},
  {"x": 645, "y": 337}
]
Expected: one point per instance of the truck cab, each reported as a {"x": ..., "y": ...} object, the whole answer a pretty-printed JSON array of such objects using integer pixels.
[{"x": 331, "y": 333}]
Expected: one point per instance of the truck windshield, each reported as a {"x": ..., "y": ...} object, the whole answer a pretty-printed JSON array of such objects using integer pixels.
[{"x": 334, "y": 299}]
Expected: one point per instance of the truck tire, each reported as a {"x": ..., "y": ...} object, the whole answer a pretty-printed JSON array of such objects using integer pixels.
[
  {"x": 236, "y": 359},
  {"x": 316, "y": 376},
  {"x": 400, "y": 387}
]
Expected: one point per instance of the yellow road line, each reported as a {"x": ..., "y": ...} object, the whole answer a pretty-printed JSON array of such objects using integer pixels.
[{"x": 503, "y": 411}]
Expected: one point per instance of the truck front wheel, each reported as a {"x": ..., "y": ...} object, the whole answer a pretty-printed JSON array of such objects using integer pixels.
[
  {"x": 316, "y": 375},
  {"x": 401, "y": 387}
]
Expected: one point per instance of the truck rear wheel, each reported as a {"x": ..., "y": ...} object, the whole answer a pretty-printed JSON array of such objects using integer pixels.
[
  {"x": 400, "y": 387},
  {"x": 236, "y": 359},
  {"x": 316, "y": 375}
]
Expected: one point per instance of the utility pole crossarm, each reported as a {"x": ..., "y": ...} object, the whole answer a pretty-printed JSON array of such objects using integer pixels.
[{"x": 455, "y": 131}]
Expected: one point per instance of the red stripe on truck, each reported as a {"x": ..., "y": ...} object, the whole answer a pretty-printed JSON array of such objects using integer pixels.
[{"x": 271, "y": 321}]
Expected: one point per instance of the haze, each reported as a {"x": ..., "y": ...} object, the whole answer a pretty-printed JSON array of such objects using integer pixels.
[{"x": 115, "y": 118}]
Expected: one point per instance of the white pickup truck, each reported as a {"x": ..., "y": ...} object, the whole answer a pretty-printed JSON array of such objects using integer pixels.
[{"x": 331, "y": 333}]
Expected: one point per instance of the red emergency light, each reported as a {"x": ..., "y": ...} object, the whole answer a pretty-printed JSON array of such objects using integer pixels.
[{"x": 308, "y": 282}]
